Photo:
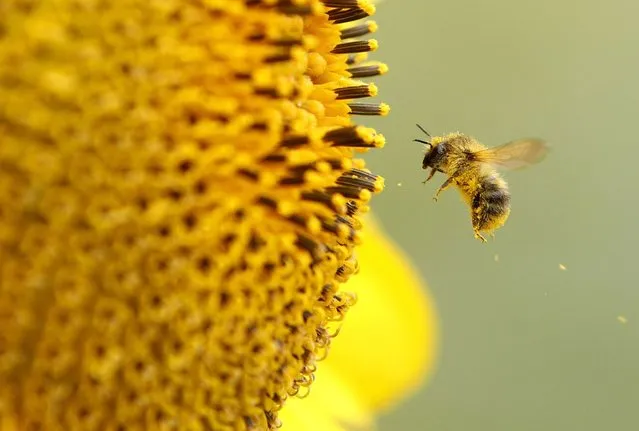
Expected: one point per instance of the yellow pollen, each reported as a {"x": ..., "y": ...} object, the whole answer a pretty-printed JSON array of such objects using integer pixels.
[{"x": 384, "y": 109}]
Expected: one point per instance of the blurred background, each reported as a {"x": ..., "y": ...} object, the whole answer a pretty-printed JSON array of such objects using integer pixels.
[{"x": 526, "y": 345}]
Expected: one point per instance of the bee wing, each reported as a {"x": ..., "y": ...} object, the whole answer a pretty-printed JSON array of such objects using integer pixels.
[{"x": 515, "y": 154}]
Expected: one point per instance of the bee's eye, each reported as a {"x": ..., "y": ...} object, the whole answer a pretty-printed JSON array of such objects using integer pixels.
[{"x": 426, "y": 161}]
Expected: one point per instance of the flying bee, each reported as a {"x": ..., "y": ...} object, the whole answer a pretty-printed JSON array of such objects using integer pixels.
[{"x": 471, "y": 167}]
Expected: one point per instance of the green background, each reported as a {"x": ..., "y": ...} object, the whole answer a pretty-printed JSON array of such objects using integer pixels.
[{"x": 526, "y": 346}]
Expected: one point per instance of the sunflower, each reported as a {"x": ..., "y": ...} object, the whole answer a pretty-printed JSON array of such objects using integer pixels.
[{"x": 180, "y": 201}]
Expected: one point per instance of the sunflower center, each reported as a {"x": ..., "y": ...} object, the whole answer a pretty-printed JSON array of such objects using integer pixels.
[{"x": 179, "y": 203}]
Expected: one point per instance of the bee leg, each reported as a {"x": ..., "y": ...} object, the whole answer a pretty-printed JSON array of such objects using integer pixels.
[
  {"x": 432, "y": 172},
  {"x": 443, "y": 187},
  {"x": 479, "y": 236}
]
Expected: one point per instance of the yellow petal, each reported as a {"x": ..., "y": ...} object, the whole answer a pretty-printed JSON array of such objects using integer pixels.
[
  {"x": 385, "y": 349},
  {"x": 388, "y": 343},
  {"x": 332, "y": 405}
]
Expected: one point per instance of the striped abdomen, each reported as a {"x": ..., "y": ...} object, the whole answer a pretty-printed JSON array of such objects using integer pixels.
[{"x": 491, "y": 204}]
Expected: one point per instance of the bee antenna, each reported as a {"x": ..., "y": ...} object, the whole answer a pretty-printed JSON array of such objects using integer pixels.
[
  {"x": 423, "y": 130},
  {"x": 422, "y": 141}
]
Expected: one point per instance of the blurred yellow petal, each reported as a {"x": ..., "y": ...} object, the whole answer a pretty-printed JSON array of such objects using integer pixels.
[
  {"x": 389, "y": 342},
  {"x": 385, "y": 350},
  {"x": 332, "y": 405}
]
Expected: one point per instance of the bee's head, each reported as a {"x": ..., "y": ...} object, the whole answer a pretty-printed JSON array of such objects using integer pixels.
[{"x": 435, "y": 152}]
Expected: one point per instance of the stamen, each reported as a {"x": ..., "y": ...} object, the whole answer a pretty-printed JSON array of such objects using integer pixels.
[
  {"x": 301, "y": 169},
  {"x": 340, "y": 16},
  {"x": 310, "y": 224},
  {"x": 356, "y": 92},
  {"x": 342, "y": 3},
  {"x": 333, "y": 202},
  {"x": 300, "y": 174},
  {"x": 351, "y": 208},
  {"x": 275, "y": 158},
  {"x": 368, "y": 70},
  {"x": 358, "y": 183},
  {"x": 313, "y": 247},
  {"x": 359, "y": 173},
  {"x": 267, "y": 202},
  {"x": 249, "y": 174},
  {"x": 280, "y": 57},
  {"x": 356, "y": 46},
  {"x": 257, "y": 37},
  {"x": 356, "y": 137},
  {"x": 342, "y": 230},
  {"x": 294, "y": 141},
  {"x": 346, "y": 136},
  {"x": 349, "y": 192},
  {"x": 369, "y": 108},
  {"x": 359, "y": 30},
  {"x": 343, "y": 220},
  {"x": 291, "y": 181}
]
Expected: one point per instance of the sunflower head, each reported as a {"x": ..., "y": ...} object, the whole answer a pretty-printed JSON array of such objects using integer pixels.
[{"x": 179, "y": 203}]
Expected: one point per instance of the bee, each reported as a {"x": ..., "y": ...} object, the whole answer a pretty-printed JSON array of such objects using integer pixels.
[{"x": 471, "y": 167}]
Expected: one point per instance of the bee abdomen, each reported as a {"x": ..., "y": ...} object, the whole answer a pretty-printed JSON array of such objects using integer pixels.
[{"x": 491, "y": 205}]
